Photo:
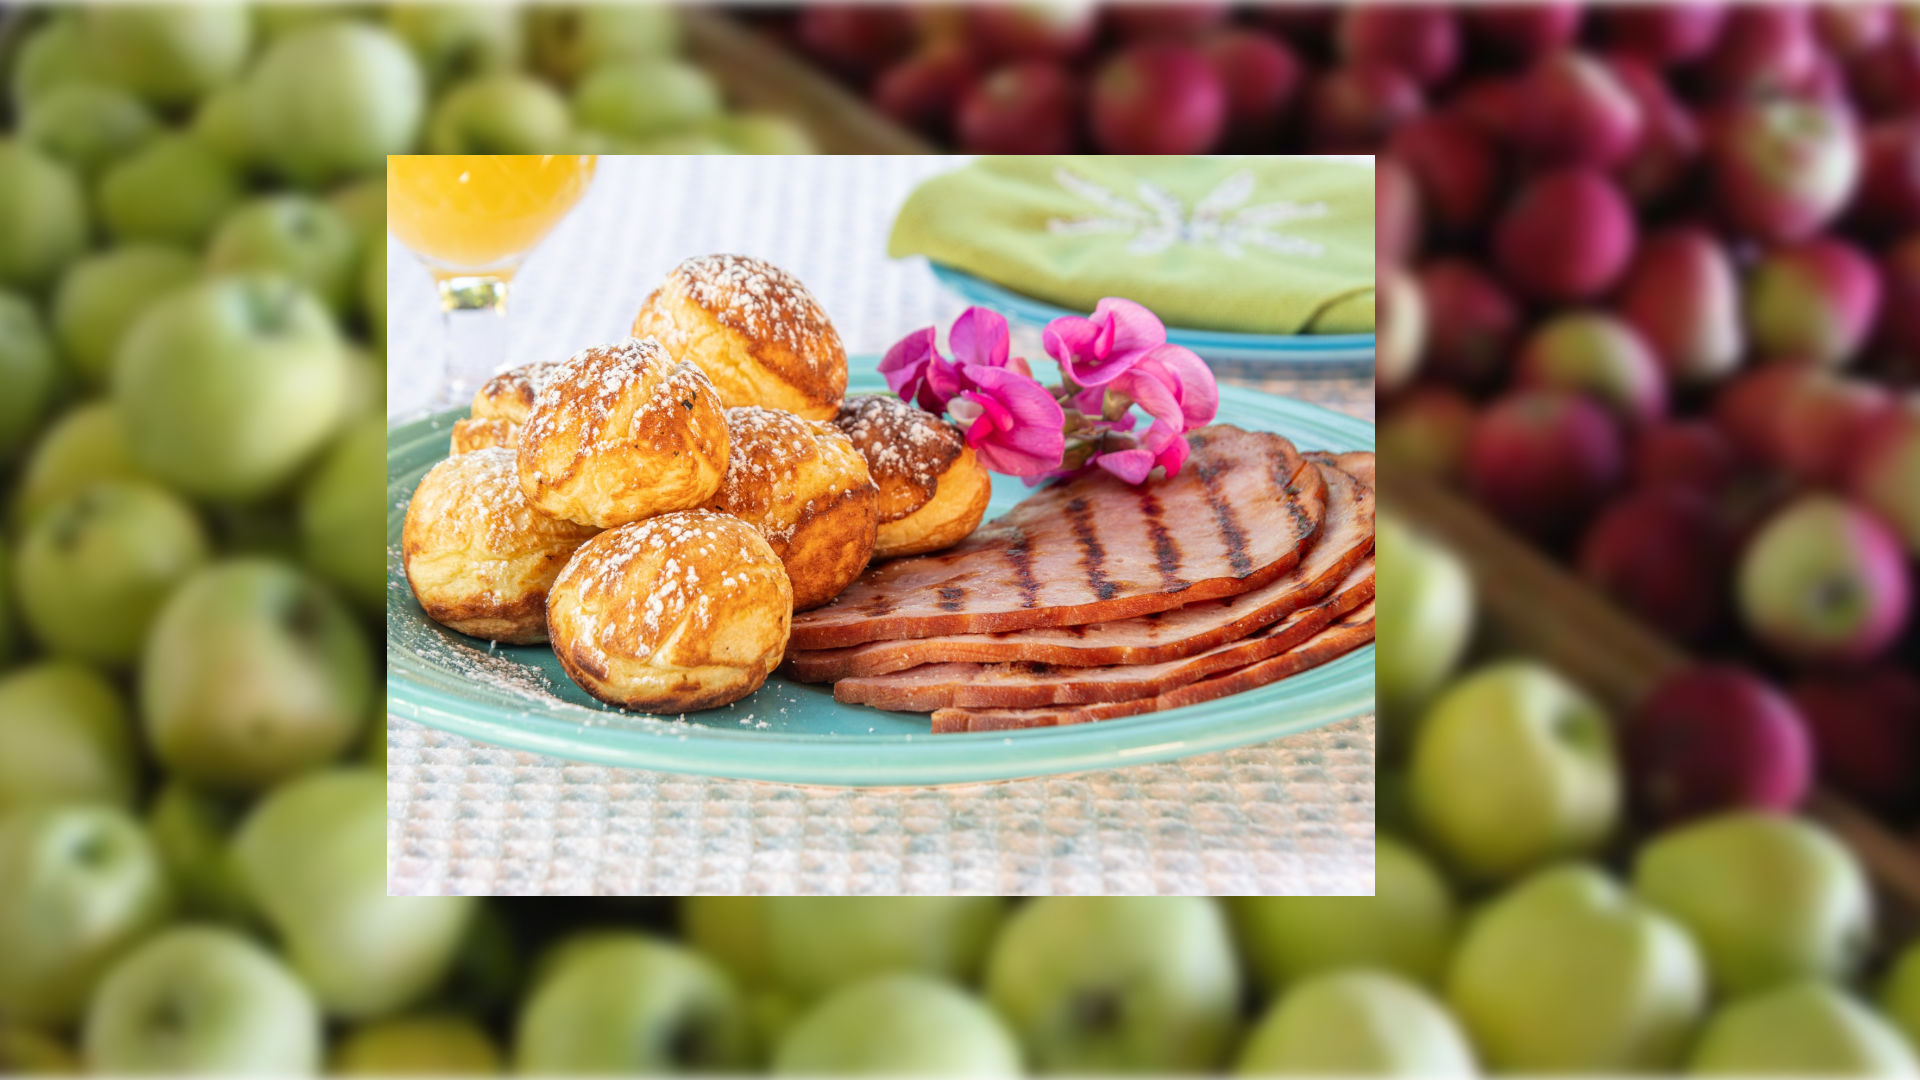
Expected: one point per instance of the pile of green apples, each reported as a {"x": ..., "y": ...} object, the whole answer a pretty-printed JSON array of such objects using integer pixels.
[{"x": 1557, "y": 934}]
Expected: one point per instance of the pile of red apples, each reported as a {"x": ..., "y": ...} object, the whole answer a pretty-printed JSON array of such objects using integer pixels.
[{"x": 1650, "y": 294}]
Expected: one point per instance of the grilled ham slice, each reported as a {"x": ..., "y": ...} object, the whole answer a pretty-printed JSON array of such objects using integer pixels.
[
  {"x": 1345, "y": 538},
  {"x": 1095, "y": 548},
  {"x": 1338, "y": 639},
  {"x": 1026, "y": 685}
]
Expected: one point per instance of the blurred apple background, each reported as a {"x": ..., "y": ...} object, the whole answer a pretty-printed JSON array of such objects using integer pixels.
[{"x": 1652, "y": 288}]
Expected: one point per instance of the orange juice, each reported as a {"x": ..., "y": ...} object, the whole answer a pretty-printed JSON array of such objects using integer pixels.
[{"x": 465, "y": 214}]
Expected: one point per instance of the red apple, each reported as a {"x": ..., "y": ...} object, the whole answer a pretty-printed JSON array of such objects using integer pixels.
[
  {"x": 1681, "y": 294},
  {"x": 1597, "y": 354},
  {"x": 1455, "y": 165},
  {"x": 1522, "y": 31},
  {"x": 1690, "y": 454},
  {"x": 1426, "y": 432},
  {"x": 1396, "y": 214},
  {"x": 1353, "y": 109},
  {"x": 1713, "y": 739},
  {"x": 1661, "y": 160},
  {"x": 1749, "y": 408},
  {"x": 1153, "y": 22},
  {"x": 1493, "y": 104},
  {"x": 1158, "y": 98},
  {"x": 1666, "y": 33},
  {"x": 924, "y": 90},
  {"x": 1824, "y": 582},
  {"x": 1763, "y": 49},
  {"x": 1420, "y": 40},
  {"x": 1566, "y": 236},
  {"x": 1544, "y": 460},
  {"x": 1899, "y": 330},
  {"x": 1782, "y": 168},
  {"x": 1886, "y": 77},
  {"x": 1031, "y": 31},
  {"x": 1884, "y": 472},
  {"x": 1847, "y": 30},
  {"x": 1812, "y": 302},
  {"x": 1472, "y": 323},
  {"x": 1821, "y": 424},
  {"x": 1889, "y": 197},
  {"x": 855, "y": 39},
  {"x": 1576, "y": 112},
  {"x": 1024, "y": 108},
  {"x": 1866, "y": 734},
  {"x": 1262, "y": 76},
  {"x": 1402, "y": 321}
]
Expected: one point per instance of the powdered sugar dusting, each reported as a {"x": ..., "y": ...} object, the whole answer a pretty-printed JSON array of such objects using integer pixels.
[
  {"x": 592, "y": 385},
  {"x": 637, "y": 615},
  {"x": 758, "y": 299},
  {"x": 510, "y": 394},
  {"x": 900, "y": 440}
]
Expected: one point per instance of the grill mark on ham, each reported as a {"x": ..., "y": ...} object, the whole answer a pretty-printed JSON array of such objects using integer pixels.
[
  {"x": 1166, "y": 553},
  {"x": 1261, "y": 478},
  {"x": 1029, "y": 685},
  {"x": 1093, "y": 556},
  {"x": 1331, "y": 643},
  {"x": 950, "y": 598},
  {"x": 1344, "y": 539},
  {"x": 1022, "y": 557}
]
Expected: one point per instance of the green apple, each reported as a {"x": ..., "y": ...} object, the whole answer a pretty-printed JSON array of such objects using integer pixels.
[
  {"x": 627, "y": 1003},
  {"x": 343, "y": 518},
  {"x": 1406, "y": 927},
  {"x": 230, "y": 385},
  {"x": 764, "y": 133},
  {"x": 87, "y": 125},
  {"x": 223, "y": 121},
  {"x": 453, "y": 41},
  {"x": 683, "y": 143},
  {"x": 1425, "y": 607},
  {"x": 275, "y": 21},
  {"x": 1513, "y": 767},
  {"x": 1569, "y": 972},
  {"x": 296, "y": 236},
  {"x": 64, "y": 737},
  {"x": 202, "y": 1000},
  {"x": 313, "y": 856},
  {"x": 94, "y": 569},
  {"x": 254, "y": 672},
  {"x": 332, "y": 100},
  {"x": 43, "y": 217},
  {"x": 26, "y": 1051},
  {"x": 170, "y": 53},
  {"x": 102, "y": 294},
  {"x": 428, "y": 1044},
  {"x": 366, "y": 387},
  {"x": 1117, "y": 984},
  {"x": 643, "y": 98},
  {"x": 1360, "y": 1023},
  {"x": 567, "y": 41},
  {"x": 173, "y": 190},
  {"x": 53, "y": 54},
  {"x": 1801, "y": 1029},
  {"x": 503, "y": 112},
  {"x": 1900, "y": 993},
  {"x": 373, "y": 294},
  {"x": 83, "y": 885},
  {"x": 29, "y": 371},
  {"x": 364, "y": 206},
  {"x": 820, "y": 943},
  {"x": 1770, "y": 898},
  {"x": 85, "y": 446},
  {"x": 732, "y": 931},
  {"x": 193, "y": 830},
  {"x": 930, "y": 1028},
  {"x": 8, "y": 635}
]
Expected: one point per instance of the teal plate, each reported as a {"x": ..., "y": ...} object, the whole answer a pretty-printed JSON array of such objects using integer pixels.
[
  {"x": 1342, "y": 350},
  {"x": 796, "y": 733}
]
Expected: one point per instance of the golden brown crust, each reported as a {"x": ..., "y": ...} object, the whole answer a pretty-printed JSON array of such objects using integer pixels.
[
  {"x": 622, "y": 433},
  {"x": 509, "y": 395},
  {"x": 478, "y": 557},
  {"x": 680, "y": 612},
  {"x": 806, "y": 489},
  {"x": 959, "y": 502},
  {"x": 478, "y": 433},
  {"x": 907, "y": 449},
  {"x": 754, "y": 329}
]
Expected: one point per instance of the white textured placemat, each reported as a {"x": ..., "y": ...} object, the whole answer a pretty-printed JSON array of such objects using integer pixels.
[{"x": 1291, "y": 816}]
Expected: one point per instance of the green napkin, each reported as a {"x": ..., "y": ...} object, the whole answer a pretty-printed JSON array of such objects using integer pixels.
[{"x": 1260, "y": 245}]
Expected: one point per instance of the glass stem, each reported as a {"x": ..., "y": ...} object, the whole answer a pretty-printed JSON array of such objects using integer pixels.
[{"x": 475, "y": 311}]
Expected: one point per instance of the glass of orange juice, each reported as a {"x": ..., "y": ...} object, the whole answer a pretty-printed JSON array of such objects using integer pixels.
[{"x": 472, "y": 220}]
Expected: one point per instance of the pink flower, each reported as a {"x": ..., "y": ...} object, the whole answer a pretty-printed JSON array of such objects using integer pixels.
[
  {"x": 916, "y": 371},
  {"x": 1174, "y": 386},
  {"x": 1095, "y": 351},
  {"x": 1162, "y": 446},
  {"x": 979, "y": 336},
  {"x": 1011, "y": 421}
]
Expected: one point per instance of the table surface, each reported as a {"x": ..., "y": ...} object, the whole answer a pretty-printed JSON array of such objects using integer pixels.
[{"x": 1294, "y": 816}]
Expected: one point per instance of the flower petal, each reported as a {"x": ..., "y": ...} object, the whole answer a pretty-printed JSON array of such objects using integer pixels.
[
  {"x": 1018, "y": 432},
  {"x": 1132, "y": 328},
  {"x": 979, "y": 336},
  {"x": 1129, "y": 465}
]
